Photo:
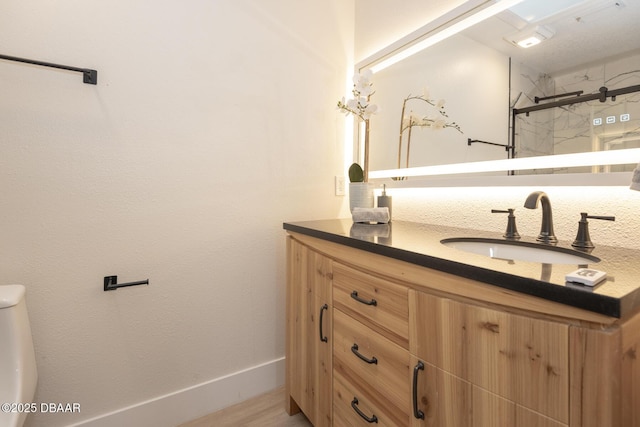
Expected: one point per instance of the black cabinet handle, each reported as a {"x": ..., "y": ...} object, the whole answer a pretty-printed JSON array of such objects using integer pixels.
[
  {"x": 355, "y": 296},
  {"x": 354, "y": 405},
  {"x": 417, "y": 412},
  {"x": 322, "y": 309},
  {"x": 354, "y": 349}
]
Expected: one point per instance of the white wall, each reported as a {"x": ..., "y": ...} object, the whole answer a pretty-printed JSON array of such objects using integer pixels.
[{"x": 211, "y": 124}]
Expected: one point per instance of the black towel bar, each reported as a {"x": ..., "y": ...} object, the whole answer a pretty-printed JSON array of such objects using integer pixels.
[{"x": 88, "y": 76}]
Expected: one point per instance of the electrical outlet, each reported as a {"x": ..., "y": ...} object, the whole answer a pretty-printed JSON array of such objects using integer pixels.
[{"x": 339, "y": 185}]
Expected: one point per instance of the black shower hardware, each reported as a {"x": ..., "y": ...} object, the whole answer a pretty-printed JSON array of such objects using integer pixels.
[
  {"x": 111, "y": 283},
  {"x": 471, "y": 141},
  {"x": 562, "y": 95},
  {"x": 602, "y": 95},
  {"x": 88, "y": 76}
]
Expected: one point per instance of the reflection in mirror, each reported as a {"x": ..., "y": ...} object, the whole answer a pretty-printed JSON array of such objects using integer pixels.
[
  {"x": 474, "y": 88},
  {"x": 482, "y": 74},
  {"x": 568, "y": 126}
]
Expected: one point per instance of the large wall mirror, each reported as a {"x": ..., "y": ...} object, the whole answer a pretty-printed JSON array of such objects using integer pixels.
[{"x": 479, "y": 96}]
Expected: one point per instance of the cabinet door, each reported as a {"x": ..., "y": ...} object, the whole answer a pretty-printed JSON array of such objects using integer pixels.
[
  {"x": 443, "y": 400},
  {"x": 439, "y": 399},
  {"x": 491, "y": 410},
  {"x": 522, "y": 359},
  {"x": 309, "y": 341}
]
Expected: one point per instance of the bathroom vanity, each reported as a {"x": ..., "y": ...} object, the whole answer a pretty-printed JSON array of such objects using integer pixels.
[{"x": 387, "y": 326}]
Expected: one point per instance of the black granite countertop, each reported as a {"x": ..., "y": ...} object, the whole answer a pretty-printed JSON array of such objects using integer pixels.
[{"x": 617, "y": 296}]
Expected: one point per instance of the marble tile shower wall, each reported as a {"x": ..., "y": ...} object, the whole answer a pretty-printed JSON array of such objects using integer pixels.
[
  {"x": 584, "y": 126},
  {"x": 534, "y": 135}
]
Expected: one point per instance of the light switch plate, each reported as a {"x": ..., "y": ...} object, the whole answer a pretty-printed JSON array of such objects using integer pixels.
[{"x": 339, "y": 185}]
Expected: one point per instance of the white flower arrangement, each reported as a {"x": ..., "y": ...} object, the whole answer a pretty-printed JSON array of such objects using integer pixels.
[
  {"x": 411, "y": 120},
  {"x": 362, "y": 90},
  {"x": 436, "y": 123},
  {"x": 360, "y": 107}
]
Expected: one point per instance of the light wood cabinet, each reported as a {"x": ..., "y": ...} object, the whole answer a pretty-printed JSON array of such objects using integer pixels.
[
  {"x": 441, "y": 399},
  {"x": 372, "y": 366},
  {"x": 446, "y": 400},
  {"x": 375, "y": 302},
  {"x": 309, "y": 341},
  {"x": 354, "y": 406},
  {"x": 518, "y": 358},
  {"x": 402, "y": 351}
]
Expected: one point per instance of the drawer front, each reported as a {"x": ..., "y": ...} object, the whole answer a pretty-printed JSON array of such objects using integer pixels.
[
  {"x": 371, "y": 362},
  {"x": 521, "y": 359},
  {"x": 355, "y": 408},
  {"x": 377, "y": 303}
]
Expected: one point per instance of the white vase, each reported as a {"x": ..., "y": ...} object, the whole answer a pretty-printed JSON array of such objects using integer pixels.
[{"x": 360, "y": 195}]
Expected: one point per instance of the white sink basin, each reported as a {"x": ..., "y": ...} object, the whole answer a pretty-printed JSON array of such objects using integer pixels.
[{"x": 520, "y": 251}]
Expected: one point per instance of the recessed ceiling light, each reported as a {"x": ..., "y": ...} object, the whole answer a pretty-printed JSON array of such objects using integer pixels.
[
  {"x": 529, "y": 41},
  {"x": 531, "y": 37}
]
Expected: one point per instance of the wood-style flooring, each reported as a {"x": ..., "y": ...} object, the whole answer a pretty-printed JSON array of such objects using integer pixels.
[{"x": 266, "y": 410}]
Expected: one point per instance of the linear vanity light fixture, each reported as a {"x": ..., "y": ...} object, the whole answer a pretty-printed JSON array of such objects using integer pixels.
[
  {"x": 405, "y": 52},
  {"x": 595, "y": 158}
]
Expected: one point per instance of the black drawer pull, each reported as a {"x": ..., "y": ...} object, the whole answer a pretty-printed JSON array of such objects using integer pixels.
[
  {"x": 417, "y": 412},
  {"x": 354, "y": 405},
  {"x": 322, "y": 309},
  {"x": 355, "y": 296},
  {"x": 354, "y": 349}
]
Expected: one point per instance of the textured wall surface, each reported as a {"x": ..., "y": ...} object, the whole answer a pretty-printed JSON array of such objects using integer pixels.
[
  {"x": 179, "y": 166},
  {"x": 471, "y": 208}
]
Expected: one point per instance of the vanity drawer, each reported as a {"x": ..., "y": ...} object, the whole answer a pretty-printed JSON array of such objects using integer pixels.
[
  {"x": 358, "y": 407},
  {"x": 377, "y": 303},
  {"x": 371, "y": 361}
]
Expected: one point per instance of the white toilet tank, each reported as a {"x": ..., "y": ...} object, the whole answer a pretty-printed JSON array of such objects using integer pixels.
[{"x": 18, "y": 374}]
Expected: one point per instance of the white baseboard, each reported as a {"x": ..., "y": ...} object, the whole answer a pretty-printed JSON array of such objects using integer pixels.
[{"x": 181, "y": 406}]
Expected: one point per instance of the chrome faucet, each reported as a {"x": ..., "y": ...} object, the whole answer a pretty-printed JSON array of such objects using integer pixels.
[{"x": 546, "y": 230}]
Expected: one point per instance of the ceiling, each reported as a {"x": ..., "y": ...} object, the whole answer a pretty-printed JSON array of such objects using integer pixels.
[{"x": 586, "y": 31}]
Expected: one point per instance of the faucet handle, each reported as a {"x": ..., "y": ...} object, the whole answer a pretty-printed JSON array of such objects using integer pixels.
[
  {"x": 583, "y": 240},
  {"x": 512, "y": 231}
]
